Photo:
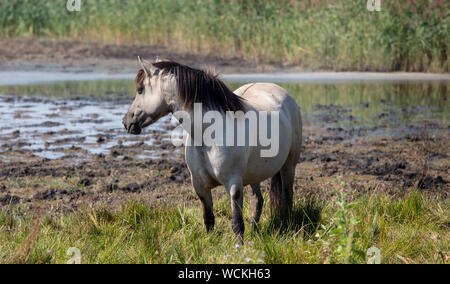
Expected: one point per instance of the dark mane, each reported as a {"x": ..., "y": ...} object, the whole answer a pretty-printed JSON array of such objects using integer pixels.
[{"x": 198, "y": 86}]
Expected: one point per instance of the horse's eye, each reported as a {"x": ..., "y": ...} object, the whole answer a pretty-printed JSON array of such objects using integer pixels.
[{"x": 140, "y": 91}]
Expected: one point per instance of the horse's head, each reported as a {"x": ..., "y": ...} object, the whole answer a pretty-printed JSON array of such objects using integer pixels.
[{"x": 152, "y": 101}]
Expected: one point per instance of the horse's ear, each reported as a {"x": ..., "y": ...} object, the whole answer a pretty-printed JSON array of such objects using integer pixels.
[{"x": 147, "y": 71}]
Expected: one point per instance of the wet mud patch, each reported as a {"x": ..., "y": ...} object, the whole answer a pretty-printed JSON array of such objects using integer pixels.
[
  {"x": 54, "y": 194},
  {"x": 62, "y": 186},
  {"x": 9, "y": 200},
  {"x": 384, "y": 165}
]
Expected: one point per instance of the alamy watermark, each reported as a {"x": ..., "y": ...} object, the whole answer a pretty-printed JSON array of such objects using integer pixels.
[
  {"x": 73, "y": 5},
  {"x": 373, "y": 255},
  {"x": 74, "y": 254},
  {"x": 213, "y": 128},
  {"x": 374, "y": 5}
]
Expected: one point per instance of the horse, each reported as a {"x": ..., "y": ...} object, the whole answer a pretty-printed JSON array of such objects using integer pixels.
[{"x": 165, "y": 87}]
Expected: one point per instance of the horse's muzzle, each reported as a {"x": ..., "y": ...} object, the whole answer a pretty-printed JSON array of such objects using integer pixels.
[
  {"x": 131, "y": 127},
  {"x": 134, "y": 129}
]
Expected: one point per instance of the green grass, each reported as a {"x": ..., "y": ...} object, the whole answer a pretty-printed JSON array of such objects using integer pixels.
[
  {"x": 412, "y": 229},
  {"x": 338, "y": 35}
]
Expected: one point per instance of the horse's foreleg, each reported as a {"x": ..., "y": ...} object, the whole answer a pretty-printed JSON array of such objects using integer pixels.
[
  {"x": 206, "y": 198},
  {"x": 235, "y": 189},
  {"x": 256, "y": 203}
]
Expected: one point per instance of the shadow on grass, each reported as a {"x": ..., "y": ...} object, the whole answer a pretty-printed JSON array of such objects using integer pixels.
[{"x": 304, "y": 219}]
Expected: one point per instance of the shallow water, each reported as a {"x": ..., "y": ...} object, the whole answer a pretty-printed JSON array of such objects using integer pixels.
[
  {"x": 83, "y": 118},
  {"x": 51, "y": 127}
]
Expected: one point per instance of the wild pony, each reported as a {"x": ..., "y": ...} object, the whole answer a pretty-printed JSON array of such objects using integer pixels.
[{"x": 165, "y": 87}]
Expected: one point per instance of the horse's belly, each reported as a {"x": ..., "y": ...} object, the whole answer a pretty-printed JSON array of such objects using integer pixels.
[{"x": 261, "y": 169}]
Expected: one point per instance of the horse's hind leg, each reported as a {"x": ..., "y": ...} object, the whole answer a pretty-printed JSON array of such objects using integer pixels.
[
  {"x": 287, "y": 174},
  {"x": 256, "y": 203},
  {"x": 287, "y": 179},
  {"x": 281, "y": 191}
]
